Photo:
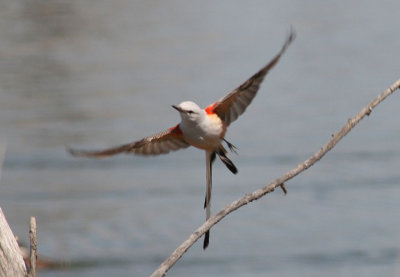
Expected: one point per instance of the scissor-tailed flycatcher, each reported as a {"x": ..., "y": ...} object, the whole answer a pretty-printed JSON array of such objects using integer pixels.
[{"x": 201, "y": 128}]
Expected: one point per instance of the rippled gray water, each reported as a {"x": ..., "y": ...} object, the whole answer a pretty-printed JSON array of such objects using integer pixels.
[{"x": 99, "y": 73}]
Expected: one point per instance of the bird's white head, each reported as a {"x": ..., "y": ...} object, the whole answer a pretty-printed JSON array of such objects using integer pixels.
[{"x": 189, "y": 111}]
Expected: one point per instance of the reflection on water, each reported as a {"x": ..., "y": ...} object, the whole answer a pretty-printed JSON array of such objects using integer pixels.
[{"x": 100, "y": 73}]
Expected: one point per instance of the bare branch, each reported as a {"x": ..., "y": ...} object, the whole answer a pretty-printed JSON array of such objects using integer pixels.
[{"x": 279, "y": 182}]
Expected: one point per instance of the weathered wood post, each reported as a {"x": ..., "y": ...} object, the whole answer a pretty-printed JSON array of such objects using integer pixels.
[{"x": 11, "y": 260}]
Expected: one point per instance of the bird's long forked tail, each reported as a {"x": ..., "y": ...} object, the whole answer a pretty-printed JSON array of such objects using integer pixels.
[{"x": 210, "y": 157}]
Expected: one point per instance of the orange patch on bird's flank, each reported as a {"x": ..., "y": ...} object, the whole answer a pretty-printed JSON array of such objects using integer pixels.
[
  {"x": 176, "y": 130},
  {"x": 210, "y": 109}
]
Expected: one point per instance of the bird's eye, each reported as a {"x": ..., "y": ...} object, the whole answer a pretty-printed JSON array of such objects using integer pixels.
[{"x": 190, "y": 112}]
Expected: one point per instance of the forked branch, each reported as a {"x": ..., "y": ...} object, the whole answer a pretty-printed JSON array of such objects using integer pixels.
[{"x": 279, "y": 182}]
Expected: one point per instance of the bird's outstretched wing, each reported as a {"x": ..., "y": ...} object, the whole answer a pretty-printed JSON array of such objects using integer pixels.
[
  {"x": 161, "y": 143},
  {"x": 229, "y": 107}
]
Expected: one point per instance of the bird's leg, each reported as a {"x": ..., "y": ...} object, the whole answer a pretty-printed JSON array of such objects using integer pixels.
[{"x": 232, "y": 147}]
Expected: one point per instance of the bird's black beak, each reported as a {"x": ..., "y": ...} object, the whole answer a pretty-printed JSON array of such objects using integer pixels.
[{"x": 177, "y": 108}]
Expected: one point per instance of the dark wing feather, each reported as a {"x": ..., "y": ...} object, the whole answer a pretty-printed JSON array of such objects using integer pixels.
[
  {"x": 161, "y": 143},
  {"x": 235, "y": 103}
]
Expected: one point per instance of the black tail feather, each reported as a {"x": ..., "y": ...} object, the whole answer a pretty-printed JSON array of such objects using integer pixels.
[
  {"x": 206, "y": 240},
  {"x": 213, "y": 157},
  {"x": 229, "y": 164}
]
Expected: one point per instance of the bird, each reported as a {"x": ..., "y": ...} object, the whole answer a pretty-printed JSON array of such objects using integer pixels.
[{"x": 202, "y": 128}]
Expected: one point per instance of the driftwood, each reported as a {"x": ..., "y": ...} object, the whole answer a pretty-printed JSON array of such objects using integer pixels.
[
  {"x": 11, "y": 260},
  {"x": 279, "y": 182}
]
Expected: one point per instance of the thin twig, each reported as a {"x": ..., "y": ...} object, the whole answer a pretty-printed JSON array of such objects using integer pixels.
[
  {"x": 178, "y": 253},
  {"x": 283, "y": 188}
]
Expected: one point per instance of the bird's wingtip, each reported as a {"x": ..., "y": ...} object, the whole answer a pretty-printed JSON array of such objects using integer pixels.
[{"x": 292, "y": 33}]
